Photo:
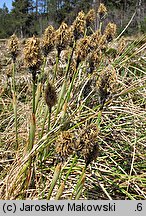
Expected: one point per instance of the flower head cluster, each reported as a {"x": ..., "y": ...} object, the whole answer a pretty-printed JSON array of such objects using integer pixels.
[
  {"x": 50, "y": 96},
  {"x": 83, "y": 144},
  {"x": 78, "y": 27},
  {"x": 106, "y": 83},
  {"x": 48, "y": 40},
  {"x": 110, "y": 31},
  {"x": 65, "y": 145},
  {"x": 13, "y": 45},
  {"x": 87, "y": 143},
  {"x": 102, "y": 10},
  {"x": 82, "y": 49},
  {"x": 62, "y": 37},
  {"x": 32, "y": 54},
  {"x": 90, "y": 17}
]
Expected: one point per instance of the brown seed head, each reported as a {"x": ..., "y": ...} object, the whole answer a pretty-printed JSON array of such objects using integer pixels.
[
  {"x": 94, "y": 58},
  {"x": 82, "y": 49},
  {"x": 32, "y": 54},
  {"x": 90, "y": 17},
  {"x": 87, "y": 143},
  {"x": 102, "y": 10},
  {"x": 106, "y": 83},
  {"x": 65, "y": 144},
  {"x": 13, "y": 44},
  {"x": 48, "y": 40},
  {"x": 94, "y": 39},
  {"x": 50, "y": 96},
  {"x": 62, "y": 37},
  {"x": 110, "y": 31},
  {"x": 78, "y": 26},
  {"x": 121, "y": 45}
]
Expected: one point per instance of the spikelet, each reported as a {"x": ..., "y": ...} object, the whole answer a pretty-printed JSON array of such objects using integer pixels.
[
  {"x": 121, "y": 45},
  {"x": 32, "y": 54},
  {"x": 65, "y": 145},
  {"x": 94, "y": 40},
  {"x": 102, "y": 10},
  {"x": 82, "y": 49},
  {"x": 62, "y": 37},
  {"x": 13, "y": 44},
  {"x": 78, "y": 27},
  {"x": 90, "y": 17},
  {"x": 94, "y": 58},
  {"x": 87, "y": 143},
  {"x": 106, "y": 83},
  {"x": 50, "y": 96},
  {"x": 110, "y": 31},
  {"x": 48, "y": 40}
]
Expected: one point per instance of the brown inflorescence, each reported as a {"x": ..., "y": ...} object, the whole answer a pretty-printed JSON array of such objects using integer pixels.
[
  {"x": 106, "y": 83},
  {"x": 87, "y": 143},
  {"x": 65, "y": 145},
  {"x": 50, "y": 96},
  {"x": 94, "y": 40},
  {"x": 94, "y": 59},
  {"x": 13, "y": 44},
  {"x": 62, "y": 37},
  {"x": 78, "y": 27},
  {"x": 90, "y": 17},
  {"x": 32, "y": 54},
  {"x": 48, "y": 40},
  {"x": 82, "y": 49},
  {"x": 110, "y": 31},
  {"x": 102, "y": 10}
]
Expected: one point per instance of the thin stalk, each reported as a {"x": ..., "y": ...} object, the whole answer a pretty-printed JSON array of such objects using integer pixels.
[
  {"x": 70, "y": 169},
  {"x": 79, "y": 185},
  {"x": 54, "y": 180},
  {"x": 44, "y": 120},
  {"x": 60, "y": 191},
  {"x": 32, "y": 130},
  {"x": 68, "y": 94},
  {"x": 49, "y": 118},
  {"x": 14, "y": 95},
  {"x": 65, "y": 81},
  {"x": 56, "y": 67}
]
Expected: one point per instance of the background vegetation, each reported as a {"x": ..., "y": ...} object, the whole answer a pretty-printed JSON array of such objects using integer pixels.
[{"x": 30, "y": 17}]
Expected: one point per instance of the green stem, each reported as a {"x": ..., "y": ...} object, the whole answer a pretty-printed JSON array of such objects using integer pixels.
[
  {"x": 56, "y": 67},
  {"x": 65, "y": 81},
  {"x": 54, "y": 180},
  {"x": 49, "y": 118},
  {"x": 70, "y": 169},
  {"x": 44, "y": 120},
  {"x": 14, "y": 94},
  {"x": 79, "y": 185}
]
